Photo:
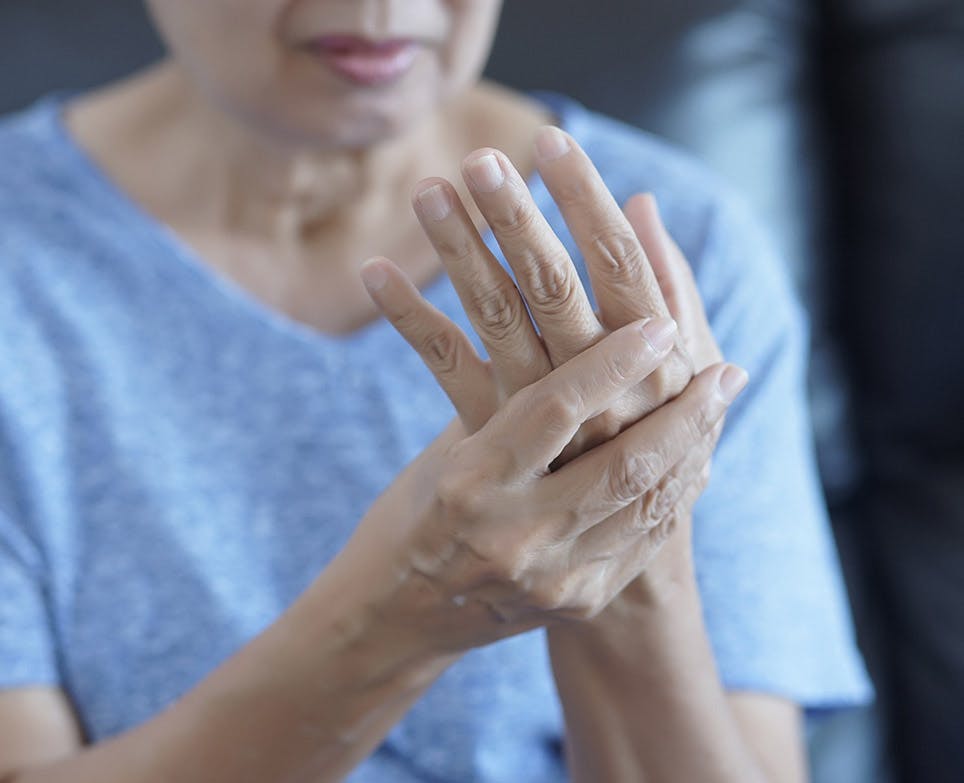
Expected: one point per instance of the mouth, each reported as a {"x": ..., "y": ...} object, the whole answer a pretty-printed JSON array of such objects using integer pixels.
[{"x": 364, "y": 62}]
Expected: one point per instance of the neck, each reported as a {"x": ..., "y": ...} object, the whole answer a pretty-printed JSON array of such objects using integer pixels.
[{"x": 248, "y": 184}]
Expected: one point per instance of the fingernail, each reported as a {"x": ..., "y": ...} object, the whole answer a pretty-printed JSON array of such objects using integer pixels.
[
  {"x": 374, "y": 275},
  {"x": 551, "y": 143},
  {"x": 435, "y": 202},
  {"x": 660, "y": 333},
  {"x": 486, "y": 173},
  {"x": 732, "y": 382}
]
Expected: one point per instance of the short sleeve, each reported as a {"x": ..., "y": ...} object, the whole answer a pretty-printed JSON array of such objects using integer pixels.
[
  {"x": 27, "y": 652},
  {"x": 776, "y": 609}
]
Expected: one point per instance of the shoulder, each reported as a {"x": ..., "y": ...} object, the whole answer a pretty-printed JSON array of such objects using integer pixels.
[
  {"x": 44, "y": 223},
  {"x": 31, "y": 164},
  {"x": 51, "y": 207}
]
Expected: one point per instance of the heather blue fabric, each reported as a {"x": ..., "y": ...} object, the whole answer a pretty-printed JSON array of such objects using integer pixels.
[{"x": 177, "y": 462}]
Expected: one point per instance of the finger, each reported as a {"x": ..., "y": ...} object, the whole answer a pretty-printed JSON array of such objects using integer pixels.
[
  {"x": 675, "y": 279},
  {"x": 539, "y": 421},
  {"x": 679, "y": 488},
  {"x": 542, "y": 266},
  {"x": 630, "y": 538},
  {"x": 444, "y": 348},
  {"x": 613, "y": 475},
  {"x": 490, "y": 298},
  {"x": 641, "y": 212},
  {"x": 623, "y": 282}
]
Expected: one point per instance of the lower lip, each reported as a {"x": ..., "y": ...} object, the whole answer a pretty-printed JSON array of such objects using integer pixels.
[{"x": 369, "y": 66}]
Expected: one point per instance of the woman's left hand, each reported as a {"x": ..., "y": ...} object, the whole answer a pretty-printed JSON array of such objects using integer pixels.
[{"x": 636, "y": 270}]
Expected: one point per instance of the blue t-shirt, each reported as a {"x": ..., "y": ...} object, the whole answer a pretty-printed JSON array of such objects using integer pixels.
[{"x": 178, "y": 462}]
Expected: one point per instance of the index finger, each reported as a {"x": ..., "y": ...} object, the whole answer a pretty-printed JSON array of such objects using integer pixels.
[
  {"x": 623, "y": 281},
  {"x": 540, "y": 420}
]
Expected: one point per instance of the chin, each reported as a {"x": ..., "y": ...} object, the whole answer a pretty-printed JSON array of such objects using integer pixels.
[
  {"x": 351, "y": 127},
  {"x": 320, "y": 117}
]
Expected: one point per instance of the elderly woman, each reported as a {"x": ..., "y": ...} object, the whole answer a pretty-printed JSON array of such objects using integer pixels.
[{"x": 214, "y": 562}]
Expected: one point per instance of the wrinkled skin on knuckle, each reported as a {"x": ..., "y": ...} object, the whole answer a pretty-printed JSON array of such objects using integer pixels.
[
  {"x": 701, "y": 421},
  {"x": 550, "y": 286},
  {"x": 620, "y": 369},
  {"x": 514, "y": 219},
  {"x": 441, "y": 350},
  {"x": 632, "y": 474},
  {"x": 622, "y": 255},
  {"x": 500, "y": 313},
  {"x": 659, "y": 504},
  {"x": 661, "y": 533},
  {"x": 408, "y": 321}
]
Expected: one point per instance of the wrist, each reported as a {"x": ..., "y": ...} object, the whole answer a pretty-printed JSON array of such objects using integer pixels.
[
  {"x": 665, "y": 596},
  {"x": 347, "y": 610}
]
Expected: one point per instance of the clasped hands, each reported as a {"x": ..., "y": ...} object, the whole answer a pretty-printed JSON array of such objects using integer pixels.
[{"x": 584, "y": 440}]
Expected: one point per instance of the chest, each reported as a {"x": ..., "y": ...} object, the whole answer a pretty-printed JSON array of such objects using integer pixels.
[
  {"x": 312, "y": 281},
  {"x": 205, "y": 499}
]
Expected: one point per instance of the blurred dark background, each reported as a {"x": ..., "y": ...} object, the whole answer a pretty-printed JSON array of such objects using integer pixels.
[{"x": 842, "y": 122}]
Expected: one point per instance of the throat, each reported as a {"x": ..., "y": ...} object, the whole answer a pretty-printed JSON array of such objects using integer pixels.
[{"x": 314, "y": 283}]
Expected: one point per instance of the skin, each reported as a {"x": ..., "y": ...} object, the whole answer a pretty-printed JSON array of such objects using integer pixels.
[{"x": 560, "y": 497}]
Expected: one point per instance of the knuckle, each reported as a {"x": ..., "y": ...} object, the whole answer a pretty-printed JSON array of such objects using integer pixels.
[
  {"x": 661, "y": 500},
  {"x": 589, "y": 608},
  {"x": 701, "y": 422},
  {"x": 632, "y": 474},
  {"x": 642, "y": 520},
  {"x": 621, "y": 253},
  {"x": 621, "y": 369},
  {"x": 661, "y": 532},
  {"x": 551, "y": 287},
  {"x": 508, "y": 565},
  {"x": 441, "y": 351},
  {"x": 550, "y": 596},
  {"x": 457, "y": 246},
  {"x": 570, "y": 192},
  {"x": 672, "y": 376},
  {"x": 499, "y": 312},
  {"x": 407, "y": 321},
  {"x": 558, "y": 408},
  {"x": 460, "y": 494},
  {"x": 582, "y": 606},
  {"x": 515, "y": 219}
]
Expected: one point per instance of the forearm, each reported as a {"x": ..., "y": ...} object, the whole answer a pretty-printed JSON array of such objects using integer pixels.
[
  {"x": 308, "y": 699},
  {"x": 642, "y": 697}
]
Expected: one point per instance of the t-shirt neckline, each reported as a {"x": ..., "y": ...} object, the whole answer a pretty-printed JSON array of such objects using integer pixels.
[{"x": 205, "y": 280}]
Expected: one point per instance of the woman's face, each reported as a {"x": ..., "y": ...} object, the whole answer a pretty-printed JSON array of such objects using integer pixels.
[{"x": 329, "y": 73}]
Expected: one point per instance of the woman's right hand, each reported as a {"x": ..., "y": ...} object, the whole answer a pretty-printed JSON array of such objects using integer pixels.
[{"x": 477, "y": 540}]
